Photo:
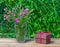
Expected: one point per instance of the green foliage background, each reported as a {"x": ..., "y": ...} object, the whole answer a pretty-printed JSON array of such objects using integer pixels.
[{"x": 45, "y": 18}]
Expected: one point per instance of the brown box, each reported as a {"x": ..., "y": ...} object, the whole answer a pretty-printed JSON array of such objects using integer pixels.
[{"x": 43, "y": 38}]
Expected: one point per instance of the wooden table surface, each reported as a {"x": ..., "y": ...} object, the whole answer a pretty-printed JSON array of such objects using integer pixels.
[{"x": 11, "y": 42}]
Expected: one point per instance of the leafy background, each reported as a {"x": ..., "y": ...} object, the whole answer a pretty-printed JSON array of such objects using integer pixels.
[{"x": 45, "y": 17}]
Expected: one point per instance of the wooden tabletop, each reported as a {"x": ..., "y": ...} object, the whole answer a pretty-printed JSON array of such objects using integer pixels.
[{"x": 11, "y": 42}]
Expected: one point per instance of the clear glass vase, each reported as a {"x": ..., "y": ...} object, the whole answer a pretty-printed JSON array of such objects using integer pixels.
[{"x": 20, "y": 30}]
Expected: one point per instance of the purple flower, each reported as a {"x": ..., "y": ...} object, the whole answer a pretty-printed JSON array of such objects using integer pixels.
[
  {"x": 14, "y": 14},
  {"x": 24, "y": 12},
  {"x": 16, "y": 19},
  {"x": 7, "y": 17}
]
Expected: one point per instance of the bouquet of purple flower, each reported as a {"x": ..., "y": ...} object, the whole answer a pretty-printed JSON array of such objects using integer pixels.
[{"x": 19, "y": 16}]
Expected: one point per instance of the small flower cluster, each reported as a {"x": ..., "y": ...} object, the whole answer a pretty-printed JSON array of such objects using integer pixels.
[{"x": 14, "y": 15}]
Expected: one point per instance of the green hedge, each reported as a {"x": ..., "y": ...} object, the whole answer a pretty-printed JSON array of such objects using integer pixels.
[{"x": 45, "y": 18}]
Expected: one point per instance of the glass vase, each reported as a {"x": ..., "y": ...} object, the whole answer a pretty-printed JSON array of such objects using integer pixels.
[{"x": 20, "y": 30}]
